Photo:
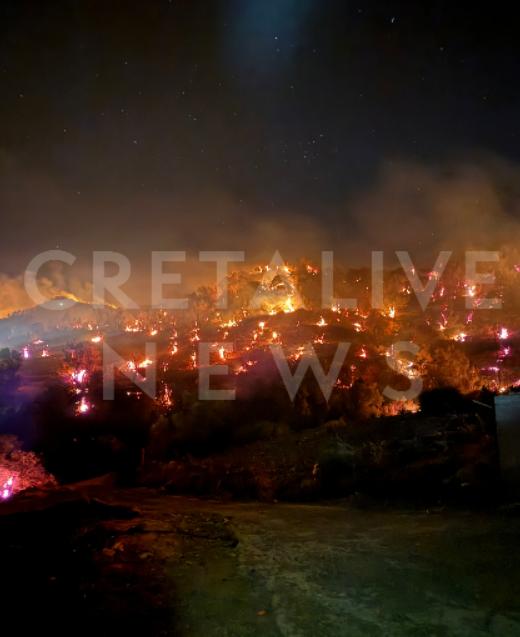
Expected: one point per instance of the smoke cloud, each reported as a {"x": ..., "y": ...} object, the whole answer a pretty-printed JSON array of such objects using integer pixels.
[{"x": 461, "y": 204}]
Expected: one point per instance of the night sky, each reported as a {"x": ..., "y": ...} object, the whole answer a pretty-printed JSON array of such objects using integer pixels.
[{"x": 253, "y": 125}]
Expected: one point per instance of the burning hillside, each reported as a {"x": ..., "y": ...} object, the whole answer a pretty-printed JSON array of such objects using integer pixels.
[
  {"x": 274, "y": 355},
  {"x": 282, "y": 305}
]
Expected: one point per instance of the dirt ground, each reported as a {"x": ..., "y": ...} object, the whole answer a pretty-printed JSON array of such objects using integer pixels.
[
  {"x": 305, "y": 570},
  {"x": 140, "y": 561}
]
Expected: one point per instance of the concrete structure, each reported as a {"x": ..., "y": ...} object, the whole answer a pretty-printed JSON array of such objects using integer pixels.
[{"x": 507, "y": 413}]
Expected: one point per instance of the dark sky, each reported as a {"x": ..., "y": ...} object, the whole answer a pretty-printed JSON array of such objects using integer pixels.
[{"x": 157, "y": 124}]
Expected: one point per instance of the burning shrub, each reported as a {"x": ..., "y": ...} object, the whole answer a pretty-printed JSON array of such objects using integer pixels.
[
  {"x": 362, "y": 401},
  {"x": 20, "y": 470}
]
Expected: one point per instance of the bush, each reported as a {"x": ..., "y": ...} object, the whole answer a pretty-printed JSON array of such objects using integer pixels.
[
  {"x": 441, "y": 401},
  {"x": 336, "y": 467},
  {"x": 161, "y": 436},
  {"x": 20, "y": 470}
]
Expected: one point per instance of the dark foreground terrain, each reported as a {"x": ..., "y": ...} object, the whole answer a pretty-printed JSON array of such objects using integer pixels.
[{"x": 93, "y": 560}]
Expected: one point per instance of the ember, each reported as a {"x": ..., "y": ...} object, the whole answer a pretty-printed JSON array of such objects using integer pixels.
[
  {"x": 79, "y": 376},
  {"x": 7, "y": 488},
  {"x": 83, "y": 406},
  {"x": 230, "y": 323}
]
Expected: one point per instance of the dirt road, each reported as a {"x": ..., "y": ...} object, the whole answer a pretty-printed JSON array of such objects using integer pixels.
[{"x": 240, "y": 570}]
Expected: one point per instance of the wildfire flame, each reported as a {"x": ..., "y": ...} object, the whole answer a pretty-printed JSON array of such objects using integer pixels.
[
  {"x": 83, "y": 406},
  {"x": 244, "y": 368},
  {"x": 299, "y": 353},
  {"x": 289, "y": 306},
  {"x": 132, "y": 366},
  {"x": 167, "y": 397},
  {"x": 230, "y": 323},
  {"x": 132, "y": 328},
  {"x": 7, "y": 489}
]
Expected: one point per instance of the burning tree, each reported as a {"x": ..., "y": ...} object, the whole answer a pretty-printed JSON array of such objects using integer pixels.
[
  {"x": 203, "y": 302},
  {"x": 446, "y": 367},
  {"x": 363, "y": 400}
]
